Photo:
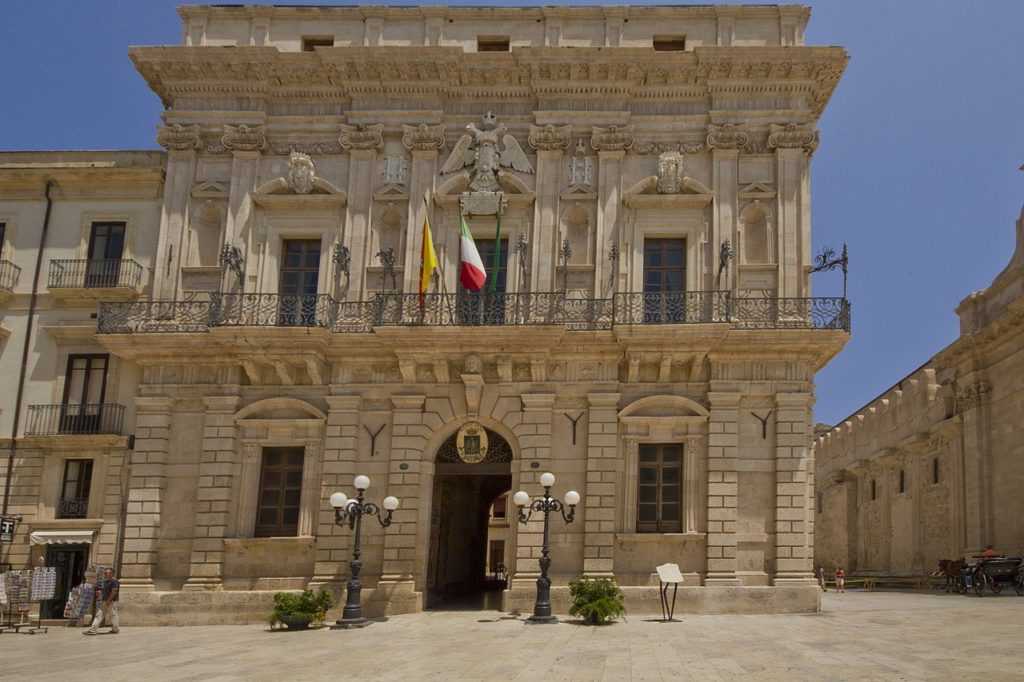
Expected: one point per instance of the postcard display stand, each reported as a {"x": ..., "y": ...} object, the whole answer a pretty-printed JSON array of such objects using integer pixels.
[
  {"x": 19, "y": 590},
  {"x": 82, "y": 600}
]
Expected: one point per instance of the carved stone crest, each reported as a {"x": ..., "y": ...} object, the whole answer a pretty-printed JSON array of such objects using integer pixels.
[
  {"x": 178, "y": 137},
  {"x": 361, "y": 136},
  {"x": 395, "y": 168},
  {"x": 549, "y": 137},
  {"x": 301, "y": 173},
  {"x": 471, "y": 443},
  {"x": 243, "y": 138},
  {"x": 581, "y": 167},
  {"x": 423, "y": 138},
  {"x": 479, "y": 149},
  {"x": 670, "y": 173},
  {"x": 612, "y": 138}
]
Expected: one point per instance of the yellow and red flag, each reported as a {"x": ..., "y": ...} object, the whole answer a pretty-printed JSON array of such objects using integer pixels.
[{"x": 428, "y": 259}]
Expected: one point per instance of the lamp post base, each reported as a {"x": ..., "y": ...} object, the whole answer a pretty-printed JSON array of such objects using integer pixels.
[
  {"x": 542, "y": 620},
  {"x": 351, "y": 623}
]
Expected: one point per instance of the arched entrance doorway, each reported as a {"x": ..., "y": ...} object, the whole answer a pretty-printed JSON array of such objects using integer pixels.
[{"x": 469, "y": 521}]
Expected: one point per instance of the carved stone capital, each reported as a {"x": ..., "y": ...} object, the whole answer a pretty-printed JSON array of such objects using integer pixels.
[
  {"x": 973, "y": 396},
  {"x": 423, "y": 138},
  {"x": 793, "y": 136},
  {"x": 178, "y": 137},
  {"x": 550, "y": 138},
  {"x": 727, "y": 136},
  {"x": 361, "y": 136},
  {"x": 612, "y": 138},
  {"x": 244, "y": 139}
]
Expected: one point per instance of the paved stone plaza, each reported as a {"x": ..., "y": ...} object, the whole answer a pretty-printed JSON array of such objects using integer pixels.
[{"x": 858, "y": 636}]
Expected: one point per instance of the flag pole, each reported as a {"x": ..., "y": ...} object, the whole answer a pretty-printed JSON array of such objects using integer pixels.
[{"x": 439, "y": 268}]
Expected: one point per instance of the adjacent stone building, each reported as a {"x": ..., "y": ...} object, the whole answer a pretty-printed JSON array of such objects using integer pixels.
[
  {"x": 931, "y": 469},
  {"x": 246, "y": 303}
]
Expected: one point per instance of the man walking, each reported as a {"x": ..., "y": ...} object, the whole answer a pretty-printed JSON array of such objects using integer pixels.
[{"x": 107, "y": 604}]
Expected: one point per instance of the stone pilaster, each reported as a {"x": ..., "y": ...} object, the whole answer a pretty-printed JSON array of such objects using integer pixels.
[
  {"x": 535, "y": 443},
  {"x": 244, "y": 174},
  {"x": 338, "y": 469},
  {"x": 146, "y": 491},
  {"x": 601, "y": 497},
  {"x": 794, "y": 535},
  {"x": 793, "y": 146},
  {"x": 725, "y": 174},
  {"x": 214, "y": 491},
  {"x": 362, "y": 174},
  {"x": 421, "y": 180},
  {"x": 545, "y": 239},
  {"x": 181, "y": 168},
  {"x": 723, "y": 448},
  {"x": 609, "y": 204}
]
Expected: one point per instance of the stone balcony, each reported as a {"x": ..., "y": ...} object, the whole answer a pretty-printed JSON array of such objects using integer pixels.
[
  {"x": 473, "y": 310},
  {"x": 89, "y": 281},
  {"x": 9, "y": 273}
]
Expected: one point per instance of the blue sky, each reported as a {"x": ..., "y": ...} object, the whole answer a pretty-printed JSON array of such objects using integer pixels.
[{"x": 917, "y": 170}]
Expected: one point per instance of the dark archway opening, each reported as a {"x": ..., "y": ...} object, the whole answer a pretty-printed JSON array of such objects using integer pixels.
[{"x": 466, "y": 529}]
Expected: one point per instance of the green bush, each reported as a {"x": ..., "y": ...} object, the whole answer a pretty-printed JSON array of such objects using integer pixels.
[
  {"x": 597, "y": 600},
  {"x": 305, "y": 605}
]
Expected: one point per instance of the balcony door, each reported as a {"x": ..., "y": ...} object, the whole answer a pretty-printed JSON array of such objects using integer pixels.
[
  {"x": 300, "y": 271},
  {"x": 664, "y": 281},
  {"x": 106, "y": 249},
  {"x": 485, "y": 307},
  {"x": 85, "y": 386}
]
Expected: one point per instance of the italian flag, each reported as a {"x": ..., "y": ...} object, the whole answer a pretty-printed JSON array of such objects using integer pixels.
[{"x": 471, "y": 269}]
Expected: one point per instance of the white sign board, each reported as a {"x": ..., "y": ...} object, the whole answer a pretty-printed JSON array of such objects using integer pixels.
[{"x": 669, "y": 573}]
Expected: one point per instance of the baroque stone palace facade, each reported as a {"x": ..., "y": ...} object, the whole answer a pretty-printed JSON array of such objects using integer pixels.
[
  {"x": 224, "y": 333},
  {"x": 931, "y": 469}
]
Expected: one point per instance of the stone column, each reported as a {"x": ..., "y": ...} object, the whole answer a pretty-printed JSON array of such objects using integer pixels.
[
  {"x": 535, "y": 440},
  {"x": 362, "y": 142},
  {"x": 181, "y": 143},
  {"x": 549, "y": 141},
  {"x": 214, "y": 491},
  {"x": 333, "y": 550},
  {"x": 794, "y": 539},
  {"x": 397, "y": 586},
  {"x": 601, "y": 497},
  {"x": 793, "y": 145},
  {"x": 723, "y": 447},
  {"x": 146, "y": 491},
  {"x": 695, "y": 446}
]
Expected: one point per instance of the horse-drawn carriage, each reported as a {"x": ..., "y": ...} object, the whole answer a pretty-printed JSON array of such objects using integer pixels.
[{"x": 995, "y": 573}]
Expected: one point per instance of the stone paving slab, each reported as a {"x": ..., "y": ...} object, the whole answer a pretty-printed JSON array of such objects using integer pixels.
[{"x": 857, "y": 636}]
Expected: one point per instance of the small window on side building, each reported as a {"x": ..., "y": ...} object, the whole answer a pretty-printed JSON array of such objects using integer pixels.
[
  {"x": 935, "y": 470},
  {"x": 493, "y": 44},
  {"x": 874, "y": 490},
  {"x": 903, "y": 481},
  {"x": 820, "y": 500},
  {"x": 310, "y": 43},
  {"x": 669, "y": 43}
]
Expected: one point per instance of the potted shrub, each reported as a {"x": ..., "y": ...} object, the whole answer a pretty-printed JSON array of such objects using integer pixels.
[
  {"x": 297, "y": 611},
  {"x": 596, "y": 600}
]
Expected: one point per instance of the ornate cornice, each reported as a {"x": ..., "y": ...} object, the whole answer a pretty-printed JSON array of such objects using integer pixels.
[
  {"x": 361, "y": 136},
  {"x": 793, "y": 136},
  {"x": 178, "y": 137},
  {"x": 612, "y": 138},
  {"x": 285, "y": 147},
  {"x": 727, "y": 136},
  {"x": 423, "y": 138},
  {"x": 659, "y": 148},
  {"x": 549, "y": 137},
  {"x": 244, "y": 138}
]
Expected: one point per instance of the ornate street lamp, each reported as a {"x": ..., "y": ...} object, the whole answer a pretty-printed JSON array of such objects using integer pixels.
[
  {"x": 351, "y": 512},
  {"x": 545, "y": 505}
]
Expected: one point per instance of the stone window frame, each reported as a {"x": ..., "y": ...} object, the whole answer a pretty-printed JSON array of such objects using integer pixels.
[
  {"x": 692, "y": 227},
  {"x": 131, "y": 222},
  {"x": 52, "y": 480}
]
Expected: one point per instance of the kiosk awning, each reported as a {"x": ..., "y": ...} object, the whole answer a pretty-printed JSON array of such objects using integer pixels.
[{"x": 60, "y": 537}]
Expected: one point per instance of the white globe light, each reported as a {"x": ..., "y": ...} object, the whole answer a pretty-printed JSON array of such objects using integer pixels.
[
  {"x": 572, "y": 498},
  {"x": 521, "y": 499},
  {"x": 547, "y": 480},
  {"x": 339, "y": 500},
  {"x": 361, "y": 482},
  {"x": 390, "y": 503}
]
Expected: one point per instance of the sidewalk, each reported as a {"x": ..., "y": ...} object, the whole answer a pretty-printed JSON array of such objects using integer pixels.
[{"x": 857, "y": 636}]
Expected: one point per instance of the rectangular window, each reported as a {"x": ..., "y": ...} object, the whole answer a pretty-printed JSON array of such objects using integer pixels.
[
  {"x": 85, "y": 387},
  {"x": 310, "y": 43},
  {"x": 498, "y": 509},
  {"x": 669, "y": 43},
  {"x": 300, "y": 271},
  {"x": 496, "y": 557},
  {"x": 3, "y": 235},
  {"x": 106, "y": 249},
  {"x": 820, "y": 500},
  {"x": 660, "y": 489},
  {"x": 74, "y": 489},
  {"x": 277, "y": 513},
  {"x": 935, "y": 470},
  {"x": 493, "y": 44},
  {"x": 664, "y": 281},
  {"x": 903, "y": 481},
  {"x": 874, "y": 489}
]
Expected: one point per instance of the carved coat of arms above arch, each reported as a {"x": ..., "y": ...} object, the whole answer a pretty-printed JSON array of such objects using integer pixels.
[{"x": 487, "y": 150}]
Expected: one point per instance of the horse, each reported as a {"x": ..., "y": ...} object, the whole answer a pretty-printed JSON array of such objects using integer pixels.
[{"x": 952, "y": 570}]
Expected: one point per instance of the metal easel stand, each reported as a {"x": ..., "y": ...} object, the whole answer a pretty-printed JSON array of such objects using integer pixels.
[{"x": 670, "y": 577}]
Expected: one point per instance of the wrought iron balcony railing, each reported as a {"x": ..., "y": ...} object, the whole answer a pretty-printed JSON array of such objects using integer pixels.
[
  {"x": 74, "y": 419},
  {"x": 8, "y": 275},
  {"x": 93, "y": 274},
  {"x": 73, "y": 508},
  {"x": 474, "y": 310}
]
